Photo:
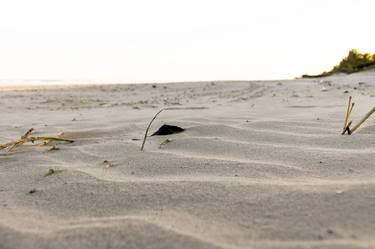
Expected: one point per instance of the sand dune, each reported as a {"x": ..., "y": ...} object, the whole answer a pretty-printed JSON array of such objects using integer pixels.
[{"x": 260, "y": 165}]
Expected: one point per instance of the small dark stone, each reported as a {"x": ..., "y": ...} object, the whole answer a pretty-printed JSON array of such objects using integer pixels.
[
  {"x": 153, "y": 86},
  {"x": 32, "y": 191},
  {"x": 167, "y": 130}
]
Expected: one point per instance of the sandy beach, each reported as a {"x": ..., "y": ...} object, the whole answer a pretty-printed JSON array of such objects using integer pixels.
[{"x": 261, "y": 164}]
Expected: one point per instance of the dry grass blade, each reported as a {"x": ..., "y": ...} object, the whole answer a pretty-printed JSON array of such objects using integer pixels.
[
  {"x": 51, "y": 142},
  {"x": 351, "y": 109},
  {"x": 26, "y": 138},
  {"x": 23, "y": 140},
  {"x": 347, "y": 129},
  {"x": 347, "y": 117},
  {"x": 363, "y": 120},
  {"x": 15, "y": 144},
  {"x": 28, "y": 133},
  {"x": 31, "y": 139},
  {"x": 148, "y": 128},
  {"x": 347, "y": 113}
]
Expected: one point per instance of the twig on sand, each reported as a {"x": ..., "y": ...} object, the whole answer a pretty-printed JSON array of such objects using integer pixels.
[
  {"x": 148, "y": 128},
  {"x": 26, "y": 138}
]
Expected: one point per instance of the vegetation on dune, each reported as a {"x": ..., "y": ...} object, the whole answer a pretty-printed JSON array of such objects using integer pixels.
[
  {"x": 347, "y": 123},
  {"x": 354, "y": 62}
]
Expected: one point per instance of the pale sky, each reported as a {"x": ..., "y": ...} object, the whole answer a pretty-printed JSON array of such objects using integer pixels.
[{"x": 172, "y": 40}]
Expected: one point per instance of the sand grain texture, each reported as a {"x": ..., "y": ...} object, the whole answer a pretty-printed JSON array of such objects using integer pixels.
[{"x": 260, "y": 165}]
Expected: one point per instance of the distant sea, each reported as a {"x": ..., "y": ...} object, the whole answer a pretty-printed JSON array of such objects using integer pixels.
[{"x": 13, "y": 82}]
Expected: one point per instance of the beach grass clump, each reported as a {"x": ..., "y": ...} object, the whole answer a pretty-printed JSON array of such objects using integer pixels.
[
  {"x": 36, "y": 140},
  {"x": 348, "y": 123},
  {"x": 354, "y": 62}
]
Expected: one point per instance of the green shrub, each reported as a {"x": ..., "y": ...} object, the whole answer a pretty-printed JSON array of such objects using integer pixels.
[{"x": 354, "y": 62}]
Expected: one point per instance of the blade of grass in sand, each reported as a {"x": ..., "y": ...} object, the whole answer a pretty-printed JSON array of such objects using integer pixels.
[
  {"x": 148, "y": 128},
  {"x": 347, "y": 113}
]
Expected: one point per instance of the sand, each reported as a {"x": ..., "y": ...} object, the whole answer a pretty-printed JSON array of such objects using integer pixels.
[{"x": 261, "y": 164}]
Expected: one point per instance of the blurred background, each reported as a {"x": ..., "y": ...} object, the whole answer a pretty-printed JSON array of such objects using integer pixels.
[{"x": 168, "y": 40}]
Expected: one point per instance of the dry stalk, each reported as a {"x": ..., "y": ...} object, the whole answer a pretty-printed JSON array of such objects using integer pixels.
[
  {"x": 347, "y": 129},
  {"x": 152, "y": 120},
  {"x": 347, "y": 113},
  {"x": 148, "y": 128},
  {"x": 26, "y": 138},
  {"x": 347, "y": 125},
  {"x": 363, "y": 120}
]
